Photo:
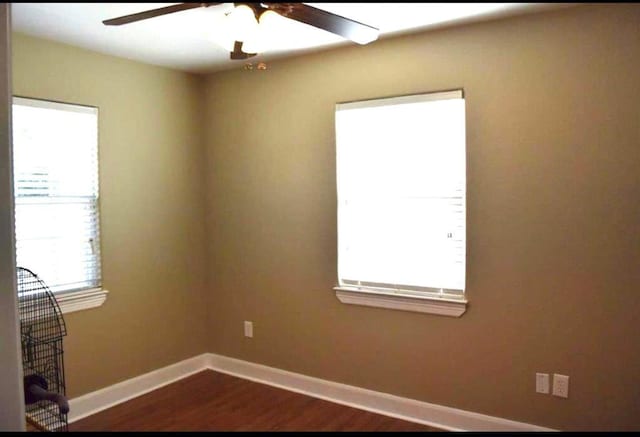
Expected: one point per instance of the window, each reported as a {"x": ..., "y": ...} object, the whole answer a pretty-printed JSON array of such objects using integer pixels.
[
  {"x": 401, "y": 179},
  {"x": 55, "y": 168}
]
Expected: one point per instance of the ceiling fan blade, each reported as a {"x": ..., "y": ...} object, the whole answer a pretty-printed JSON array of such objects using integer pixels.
[
  {"x": 237, "y": 52},
  {"x": 345, "y": 27},
  {"x": 155, "y": 13}
]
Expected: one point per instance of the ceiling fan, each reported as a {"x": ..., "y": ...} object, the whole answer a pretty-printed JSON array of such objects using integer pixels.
[{"x": 255, "y": 14}]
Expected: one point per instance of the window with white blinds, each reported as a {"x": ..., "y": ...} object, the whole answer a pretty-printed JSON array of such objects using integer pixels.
[
  {"x": 401, "y": 179},
  {"x": 55, "y": 165}
]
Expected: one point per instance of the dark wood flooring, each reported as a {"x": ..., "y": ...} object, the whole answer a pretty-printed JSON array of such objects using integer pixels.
[{"x": 212, "y": 401}]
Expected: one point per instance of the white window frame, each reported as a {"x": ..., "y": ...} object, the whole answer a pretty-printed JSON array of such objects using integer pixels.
[
  {"x": 418, "y": 299},
  {"x": 73, "y": 299}
]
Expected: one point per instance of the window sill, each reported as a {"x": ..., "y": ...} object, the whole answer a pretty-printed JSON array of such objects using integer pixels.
[
  {"x": 70, "y": 301},
  {"x": 421, "y": 304}
]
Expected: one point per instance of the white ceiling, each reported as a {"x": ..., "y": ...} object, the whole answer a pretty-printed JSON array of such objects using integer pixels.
[{"x": 182, "y": 40}]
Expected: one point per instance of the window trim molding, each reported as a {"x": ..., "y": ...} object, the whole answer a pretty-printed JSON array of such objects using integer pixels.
[
  {"x": 399, "y": 100},
  {"x": 422, "y": 304},
  {"x": 71, "y": 301},
  {"x": 366, "y": 292}
]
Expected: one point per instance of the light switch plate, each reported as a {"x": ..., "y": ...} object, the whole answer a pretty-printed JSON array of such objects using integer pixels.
[
  {"x": 542, "y": 383},
  {"x": 248, "y": 329}
]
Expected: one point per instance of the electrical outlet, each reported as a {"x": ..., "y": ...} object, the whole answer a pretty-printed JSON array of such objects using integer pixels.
[
  {"x": 542, "y": 383},
  {"x": 560, "y": 385},
  {"x": 248, "y": 329}
]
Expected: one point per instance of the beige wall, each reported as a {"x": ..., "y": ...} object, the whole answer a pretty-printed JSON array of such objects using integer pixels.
[
  {"x": 553, "y": 141},
  {"x": 553, "y": 134},
  {"x": 152, "y": 205}
]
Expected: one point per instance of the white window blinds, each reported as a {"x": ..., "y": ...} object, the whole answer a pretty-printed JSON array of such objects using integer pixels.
[
  {"x": 55, "y": 157},
  {"x": 401, "y": 193}
]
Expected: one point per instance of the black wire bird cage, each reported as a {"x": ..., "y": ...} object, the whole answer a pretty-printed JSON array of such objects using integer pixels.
[{"x": 41, "y": 329}]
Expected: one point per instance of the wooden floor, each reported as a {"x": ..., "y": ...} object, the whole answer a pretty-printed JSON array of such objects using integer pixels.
[{"x": 212, "y": 401}]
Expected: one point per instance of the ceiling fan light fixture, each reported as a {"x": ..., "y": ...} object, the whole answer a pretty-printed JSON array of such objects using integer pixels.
[
  {"x": 260, "y": 40},
  {"x": 245, "y": 37},
  {"x": 268, "y": 18},
  {"x": 271, "y": 29},
  {"x": 243, "y": 22}
]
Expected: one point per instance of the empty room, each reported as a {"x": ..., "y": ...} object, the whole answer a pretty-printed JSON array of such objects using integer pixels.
[{"x": 345, "y": 217}]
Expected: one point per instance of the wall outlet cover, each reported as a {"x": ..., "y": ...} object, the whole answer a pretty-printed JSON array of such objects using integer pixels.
[{"x": 560, "y": 385}]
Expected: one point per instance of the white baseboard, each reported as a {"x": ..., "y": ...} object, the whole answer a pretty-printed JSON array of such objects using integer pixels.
[
  {"x": 438, "y": 416},
  {"x": 107, "y": 397}
]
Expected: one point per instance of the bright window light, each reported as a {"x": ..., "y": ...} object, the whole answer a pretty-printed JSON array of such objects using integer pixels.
[
  {"x": 55, "y": 153},
  {"x": 401, "y": 193}
]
